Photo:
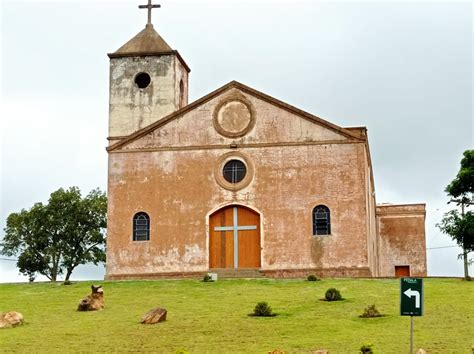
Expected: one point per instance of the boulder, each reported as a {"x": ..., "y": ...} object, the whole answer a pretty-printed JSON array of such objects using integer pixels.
[
  {"x": 10, "y": 319},
  {"x": 94, "y": 301},
  {"x": 155, "y": 315}
]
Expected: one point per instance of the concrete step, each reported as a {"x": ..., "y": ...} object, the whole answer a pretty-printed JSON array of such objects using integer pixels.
[{"x": 223, "y": 273}]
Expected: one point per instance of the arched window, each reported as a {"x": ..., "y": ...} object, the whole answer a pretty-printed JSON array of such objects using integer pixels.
[
  {"x": 141, "y": 227},
  {"x": 181, "y": 94},
  {"x": 321, "y": 220}
]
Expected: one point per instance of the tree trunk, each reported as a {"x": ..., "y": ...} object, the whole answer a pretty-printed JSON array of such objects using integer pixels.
[
  {"x": 54, "y": 271},
  {"x": 466, "y": 264},
  {"x": 68, "y": 273}
]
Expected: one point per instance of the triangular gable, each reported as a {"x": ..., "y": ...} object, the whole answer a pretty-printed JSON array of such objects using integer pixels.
[{"x": 156, "y": 131}]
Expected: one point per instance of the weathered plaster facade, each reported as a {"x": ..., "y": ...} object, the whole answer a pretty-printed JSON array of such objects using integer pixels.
[
  {"x": 166, "y": 159},
  {"x": 402, "y": 238},
  {"x": 132, "y": 108}
]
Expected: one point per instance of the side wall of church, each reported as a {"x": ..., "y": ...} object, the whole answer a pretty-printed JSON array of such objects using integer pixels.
[
  {"x": 294, "y": 170},
  {"x": 372, "y": 239},
  {"x": 402, "y": 238}
]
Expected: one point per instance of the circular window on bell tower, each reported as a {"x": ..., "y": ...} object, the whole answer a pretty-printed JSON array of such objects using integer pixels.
[{"x": 142, "y": 80}]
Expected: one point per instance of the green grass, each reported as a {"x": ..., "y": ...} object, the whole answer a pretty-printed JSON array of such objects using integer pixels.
[{"x": 213, "y": 317}]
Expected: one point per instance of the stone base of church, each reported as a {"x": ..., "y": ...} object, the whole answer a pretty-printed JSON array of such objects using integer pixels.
[
  {"x": 151, "y": 276},
  {"x": 342, "y": 272}
]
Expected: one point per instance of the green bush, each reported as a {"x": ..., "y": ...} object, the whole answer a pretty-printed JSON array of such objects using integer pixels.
[
  {"x": 367, "y": 348},
  {"x": 181, "y": 351},
  {"x": 263, "y": 309},
  {"x": 371, "y": 311},
  {"x": 207, "y": 278},
  {"x": 312, "y": 277},
  {"x": 332, "y": 294}
]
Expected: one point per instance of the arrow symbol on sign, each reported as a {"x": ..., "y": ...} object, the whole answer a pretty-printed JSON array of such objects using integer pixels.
[{"x": 414, "y": 293}]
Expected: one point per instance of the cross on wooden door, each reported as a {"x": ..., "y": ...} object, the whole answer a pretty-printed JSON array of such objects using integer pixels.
[{"x": 235, "y": 228}]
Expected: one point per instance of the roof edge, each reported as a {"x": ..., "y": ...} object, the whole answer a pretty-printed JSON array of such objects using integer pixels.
[
  {"x": 297, "y": 111},
  {"x": 400, "y": 209},
  {"x": 166, "y": 119},
  {"x": 247, "y": 89},
  {"x": 418, "y": 205},
  {"x": 150, "y": 54}
]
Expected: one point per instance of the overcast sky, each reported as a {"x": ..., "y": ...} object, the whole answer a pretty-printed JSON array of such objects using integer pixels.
[{"x": 402, "y": 69}]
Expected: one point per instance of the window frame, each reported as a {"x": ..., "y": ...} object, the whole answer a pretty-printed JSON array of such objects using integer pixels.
[
  {"x": 219, "y": 166},
  {"x": 326, "y": 223},
  {"x": 235, "y": 170},
  {"x": 141, "y": 215}
]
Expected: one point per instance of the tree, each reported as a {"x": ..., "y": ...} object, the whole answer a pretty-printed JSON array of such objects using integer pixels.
[
  {"x": 460, "y": 226},
  {"x": 461, "y": 229},
  {"x": 463, "y": 185},
  {"x": 54, "y": 238}
]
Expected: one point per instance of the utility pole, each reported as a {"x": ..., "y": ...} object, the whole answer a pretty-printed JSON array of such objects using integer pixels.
[{"x": 463, "y": 202}]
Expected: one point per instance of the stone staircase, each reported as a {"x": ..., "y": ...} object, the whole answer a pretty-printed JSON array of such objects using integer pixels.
[{"x": 225, "y": 273}]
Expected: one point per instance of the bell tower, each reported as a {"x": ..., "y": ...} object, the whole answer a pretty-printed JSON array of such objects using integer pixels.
[{"x": 148, "y": 81}]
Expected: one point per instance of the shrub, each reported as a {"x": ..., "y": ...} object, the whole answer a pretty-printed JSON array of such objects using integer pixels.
[
  {"x": 332, "y": 294},
  {"x": 180, "y": 351},
  {"x": 312, "y": 277},
  {"x": 371, "y": 311},
  {"x": 207, "y": 278},
  {"x": 367, "y": 348},
  {"x": 263, "y": 309}
]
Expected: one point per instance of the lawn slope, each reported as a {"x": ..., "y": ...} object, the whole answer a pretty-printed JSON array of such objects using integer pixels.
[{"x": 212, "y": 317}]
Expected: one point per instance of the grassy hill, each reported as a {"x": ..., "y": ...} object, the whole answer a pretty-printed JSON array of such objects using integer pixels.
[{"x": 212, "y": 317}]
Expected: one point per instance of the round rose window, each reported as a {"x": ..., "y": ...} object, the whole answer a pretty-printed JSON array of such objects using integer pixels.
[{"x": 234, "y": 171}]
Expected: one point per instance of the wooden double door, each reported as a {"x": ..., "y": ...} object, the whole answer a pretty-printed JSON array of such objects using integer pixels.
[{"x": 234, "y": 238}]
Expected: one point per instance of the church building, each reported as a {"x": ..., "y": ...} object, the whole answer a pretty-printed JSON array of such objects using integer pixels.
[{"x": 238, "y": 181}]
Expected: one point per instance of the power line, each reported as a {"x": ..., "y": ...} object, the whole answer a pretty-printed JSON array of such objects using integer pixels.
[
  {"x": 437, "y": 248},
  {"x": 8, "y": 259}
]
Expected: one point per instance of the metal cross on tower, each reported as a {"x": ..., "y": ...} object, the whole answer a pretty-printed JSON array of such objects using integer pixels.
[{"x": 149, "y": 6}]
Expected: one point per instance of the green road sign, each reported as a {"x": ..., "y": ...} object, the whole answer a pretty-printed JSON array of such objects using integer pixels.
[{"x": 411, "y": 297}]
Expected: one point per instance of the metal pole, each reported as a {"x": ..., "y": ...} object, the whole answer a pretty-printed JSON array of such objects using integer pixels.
[
  {"x": 411, "y": 335},
  {"x": 464, "y": 251}
]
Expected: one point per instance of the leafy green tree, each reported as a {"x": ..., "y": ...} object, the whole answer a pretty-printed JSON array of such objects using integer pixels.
[
  {"x": 461, "y": 229},
  {"x": 54, "y": 238},
  {"x": 460, "y": 226},
  {"x": 463, "y": 185}
]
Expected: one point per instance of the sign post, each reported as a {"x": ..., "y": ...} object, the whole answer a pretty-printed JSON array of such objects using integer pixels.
[{"x": 411, "y": 301}]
